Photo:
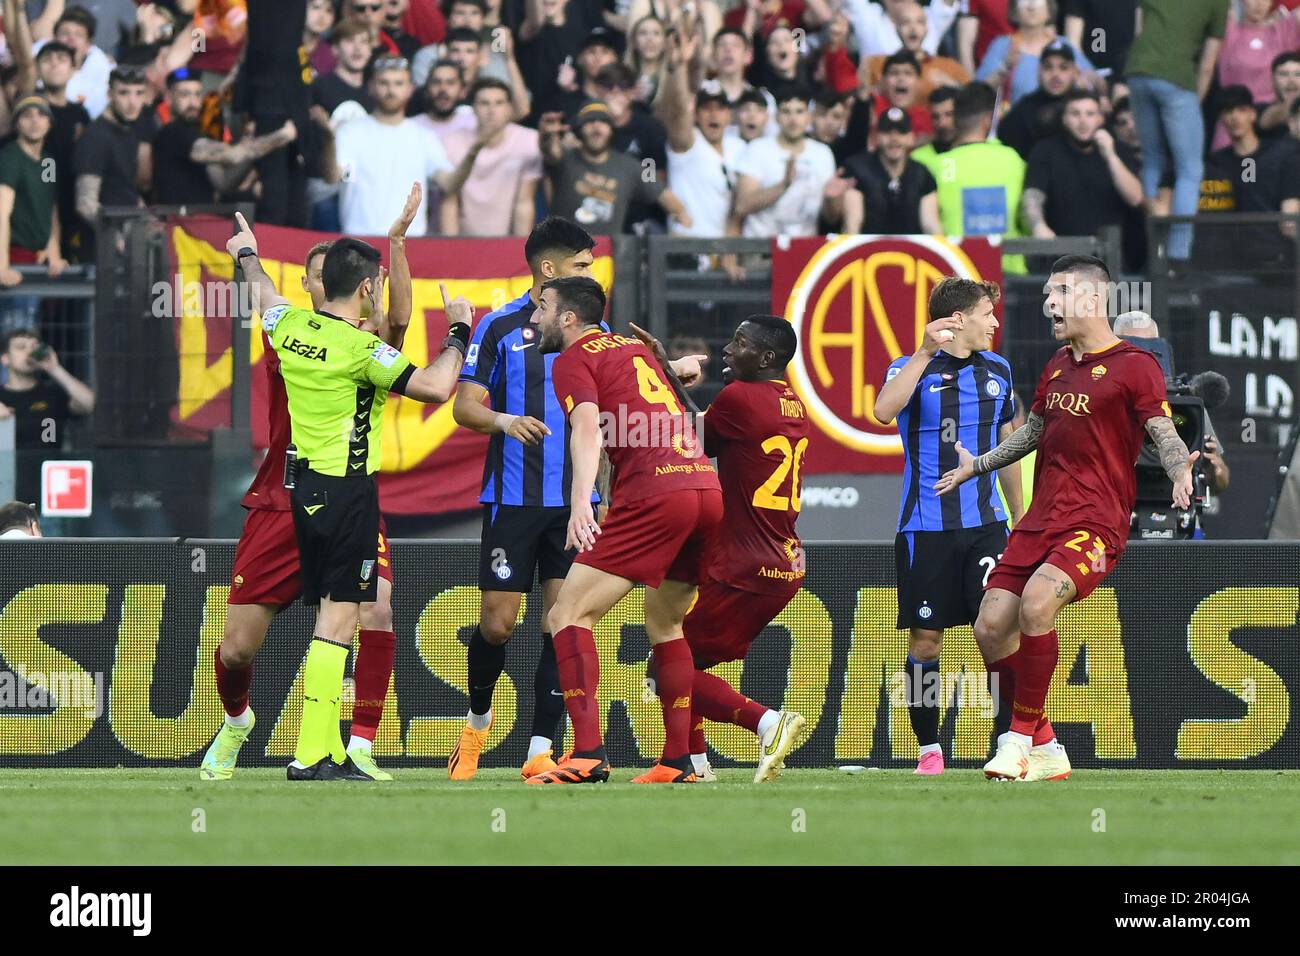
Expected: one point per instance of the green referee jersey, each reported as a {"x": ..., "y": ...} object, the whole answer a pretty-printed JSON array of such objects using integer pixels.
[{"x": 337, "y": 379}]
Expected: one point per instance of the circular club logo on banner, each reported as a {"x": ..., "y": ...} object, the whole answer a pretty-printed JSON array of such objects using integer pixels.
[{"x": 859, "y": 303}]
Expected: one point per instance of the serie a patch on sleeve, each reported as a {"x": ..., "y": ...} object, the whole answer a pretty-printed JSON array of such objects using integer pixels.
[
  {"x": 272, "y": 316},
  {"x": 385, "y": 355}
]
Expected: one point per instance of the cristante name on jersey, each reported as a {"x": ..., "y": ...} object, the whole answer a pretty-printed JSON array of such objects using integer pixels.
[{"x": 605, "y": 343}]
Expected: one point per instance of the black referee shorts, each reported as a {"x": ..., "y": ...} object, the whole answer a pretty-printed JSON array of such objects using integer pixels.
[
  {"x": 941, "y": 574},
  {"x": 336, "y": 522},
  {"x": 519, "y": 540}
]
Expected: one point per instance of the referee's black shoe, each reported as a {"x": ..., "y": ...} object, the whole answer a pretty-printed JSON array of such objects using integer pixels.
[{"x": 326, "y": 769}]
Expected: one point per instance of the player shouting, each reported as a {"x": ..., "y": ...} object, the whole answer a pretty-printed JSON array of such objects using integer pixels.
[
  {"x": 953, "y": 388},
  {"x": 505, "y": 391},
  {"x": 1095, "y": 398},
  {"x": 266, "y": 573},
  {"x": 666, "y": 504},
  {"x": 757, "y": 428}
]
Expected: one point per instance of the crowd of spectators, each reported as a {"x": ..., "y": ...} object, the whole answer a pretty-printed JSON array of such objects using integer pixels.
[{"x": 701, "y": 118}]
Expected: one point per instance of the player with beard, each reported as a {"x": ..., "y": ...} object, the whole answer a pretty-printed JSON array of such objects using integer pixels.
[
  {"x": 190, "y": 167},
  {"x": 666, "y": 506},
  {"x": 758, "y": 429},
  {"x": 1097, "y": 397},
  {"x": 266, "y": 574}
]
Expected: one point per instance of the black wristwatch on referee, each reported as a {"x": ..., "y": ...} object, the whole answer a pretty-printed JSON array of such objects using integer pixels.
[{"x": 244, "y": 253}]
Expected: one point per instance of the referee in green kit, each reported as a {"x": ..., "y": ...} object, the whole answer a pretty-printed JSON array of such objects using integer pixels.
[{"x": 338, "y": 379}]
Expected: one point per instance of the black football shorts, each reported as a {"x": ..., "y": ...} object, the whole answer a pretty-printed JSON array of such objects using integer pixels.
[
  {"x": 941, "y": 574},
  {"x": 336, "y": 522}
]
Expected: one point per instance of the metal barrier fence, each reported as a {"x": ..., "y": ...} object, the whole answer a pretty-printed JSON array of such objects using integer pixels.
[
  {"x": 1187, "y": 656},
  {"x": 1231, "y": 308}
]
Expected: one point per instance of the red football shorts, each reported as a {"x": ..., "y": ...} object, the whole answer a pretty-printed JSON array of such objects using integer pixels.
[
  {"x": 663, "y": 536},
  {"x": 1081, "y": 553},
  {"x": 725, "y": 620},
  {"x": 266, "y": 560}
]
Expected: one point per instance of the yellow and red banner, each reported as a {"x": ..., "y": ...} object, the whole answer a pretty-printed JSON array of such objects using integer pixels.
[
  {"x": 857, "y": 303},
  {"x": 428, "y": 464}
]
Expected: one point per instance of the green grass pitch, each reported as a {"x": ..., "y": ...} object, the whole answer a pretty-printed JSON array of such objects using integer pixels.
[{"x": 809, "y": 816}]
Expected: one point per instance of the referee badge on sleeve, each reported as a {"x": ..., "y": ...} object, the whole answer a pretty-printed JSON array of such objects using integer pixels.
[
  {"x": 271, "y": 317},
  {"x": 367, "y": 568},
  {"x": 385, "y": 355}
]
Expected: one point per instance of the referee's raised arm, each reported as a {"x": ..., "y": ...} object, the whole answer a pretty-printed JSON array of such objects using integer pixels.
[{"x": 242, "y": 247}]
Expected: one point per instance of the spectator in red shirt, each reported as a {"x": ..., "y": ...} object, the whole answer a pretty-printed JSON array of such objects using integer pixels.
[
  {"x": 315, "y": 35},
  {"x": 836, "y": 69},
  {"x": 424, "y": 21},
  {"x": 981, "y": 21},
  {"x": 393, "y": 14},
  {"x": 758, "y": 18},
  {"x": 900, "y": 86},
  {"x": 371, "y": 12}
]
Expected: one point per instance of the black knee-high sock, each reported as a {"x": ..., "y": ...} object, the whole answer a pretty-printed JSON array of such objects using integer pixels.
[
  {"x": 922, "y": 708},
  {"x": 548, "y": 699},
  {"x": 485, "y": 664}
]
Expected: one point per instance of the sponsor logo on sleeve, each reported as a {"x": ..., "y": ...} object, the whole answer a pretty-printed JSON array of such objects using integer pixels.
[
  {"x": 385, "y": 355},
  {"x": 272, "y": 316}
]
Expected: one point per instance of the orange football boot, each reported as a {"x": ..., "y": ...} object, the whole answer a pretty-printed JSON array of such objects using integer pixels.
[
  {"x": 542, "y": 763},
  {"x": 463, "y": 762},
  {"x": 670, "y": 771},
  {"x": 590, "y": 767}
]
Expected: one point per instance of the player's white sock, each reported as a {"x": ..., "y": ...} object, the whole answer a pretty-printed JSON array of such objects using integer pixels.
[
  {"x": 480, "y": 721},
  {"x": 538, "y": 745},
  {"x": 243, "y": 720},
  {"x": 1052, "y": 744},
  {"x": 931, "y": 748},
  {"x": 1026, "y": 739},
  {"x": 767, "y": 722},
  {"x": 700, "y": 762},
  {"x": 359, "y": 743}
]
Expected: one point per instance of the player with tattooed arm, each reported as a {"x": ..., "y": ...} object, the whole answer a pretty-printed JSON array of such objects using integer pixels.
[{"x": 1097, "y": 397}]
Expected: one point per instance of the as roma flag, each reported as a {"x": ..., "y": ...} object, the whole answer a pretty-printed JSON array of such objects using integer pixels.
[
  {"x": 857, "y": 303},
  {"x": 428, "y": 464}
]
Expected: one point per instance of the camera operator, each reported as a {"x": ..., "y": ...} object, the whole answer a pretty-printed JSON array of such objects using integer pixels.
[
  {"x": 1206, "y": 386},
  {"x": 40, "y": 406}
]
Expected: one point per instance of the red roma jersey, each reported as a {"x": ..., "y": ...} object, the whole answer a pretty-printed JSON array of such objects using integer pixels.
[
  {"x": 759, "y": 433},
  {"x": 1094, "y": 412},
  {"x": 651, "y": 444},
  {"x": 267, "y": 492}
]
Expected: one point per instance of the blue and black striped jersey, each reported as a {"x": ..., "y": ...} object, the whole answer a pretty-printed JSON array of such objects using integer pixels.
[
  {"x": 957, "y": 399},
  {"x": 505, "y": 359}
]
